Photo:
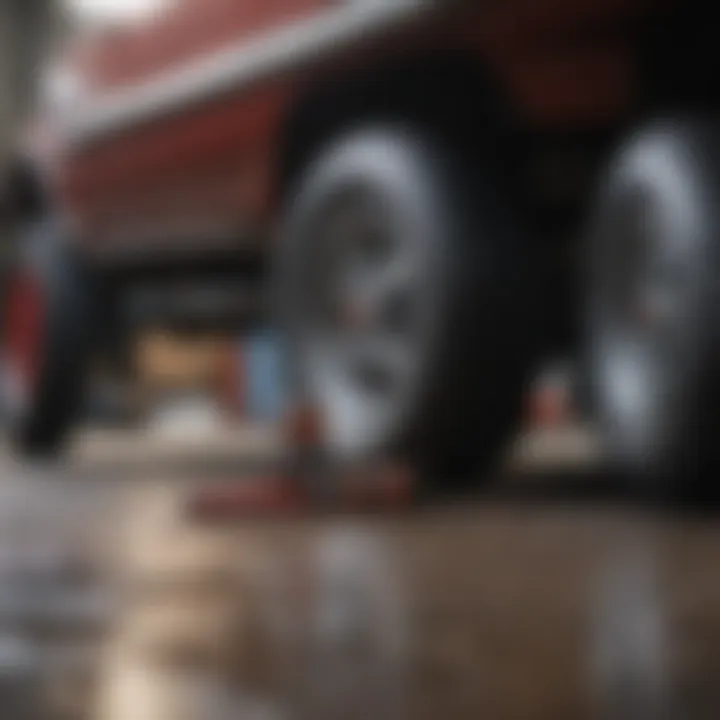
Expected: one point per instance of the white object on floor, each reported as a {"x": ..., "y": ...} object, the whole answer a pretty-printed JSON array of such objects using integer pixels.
[{"x": 186, "y": 417}]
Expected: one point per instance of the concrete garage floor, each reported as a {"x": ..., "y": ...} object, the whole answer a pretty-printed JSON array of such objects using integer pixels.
[{"x": 499, "y": 607}]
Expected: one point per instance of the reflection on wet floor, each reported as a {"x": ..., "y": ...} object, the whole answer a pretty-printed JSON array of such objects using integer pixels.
[
  {"x": 112, "y": 601},
  {"x": 55, "y": 601},
  {"x": 630, "y": 650}
]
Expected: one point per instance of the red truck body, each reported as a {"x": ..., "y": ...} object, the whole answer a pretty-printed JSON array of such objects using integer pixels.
[{"x": 180, "y": 125}]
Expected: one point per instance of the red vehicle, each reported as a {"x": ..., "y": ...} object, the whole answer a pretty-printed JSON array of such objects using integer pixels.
[{"x": 419, "y": 186}]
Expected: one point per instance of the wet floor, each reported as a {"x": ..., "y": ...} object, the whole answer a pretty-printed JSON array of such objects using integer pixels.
[{"x": 546, "y": 598}]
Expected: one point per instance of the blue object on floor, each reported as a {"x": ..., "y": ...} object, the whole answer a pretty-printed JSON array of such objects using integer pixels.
[{"x": 264, "y": 384}]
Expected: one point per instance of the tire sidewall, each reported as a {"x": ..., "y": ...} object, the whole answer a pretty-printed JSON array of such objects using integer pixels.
[{"x": 675, "y": 164}]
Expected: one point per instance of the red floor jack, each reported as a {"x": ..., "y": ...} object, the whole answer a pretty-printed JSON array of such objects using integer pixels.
[{"x": 308, "y": 481}]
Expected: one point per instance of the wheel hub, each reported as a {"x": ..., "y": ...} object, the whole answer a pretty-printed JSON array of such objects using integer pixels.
[{"x": 359, "y": 350}]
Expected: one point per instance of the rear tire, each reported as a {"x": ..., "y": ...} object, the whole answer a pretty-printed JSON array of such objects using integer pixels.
[
  {"x": 653, "y": 338},
  {"x": 51, "y": 321},
  {"x": 466, "y": 368}
]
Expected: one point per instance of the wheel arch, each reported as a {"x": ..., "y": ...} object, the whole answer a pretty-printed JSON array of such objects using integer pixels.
[{"x": 446, "y": 92}]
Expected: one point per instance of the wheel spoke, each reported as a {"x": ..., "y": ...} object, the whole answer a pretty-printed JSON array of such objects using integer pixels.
[
  {"x": 380, "y": 362},
  {"x": 393, "y": 277}
]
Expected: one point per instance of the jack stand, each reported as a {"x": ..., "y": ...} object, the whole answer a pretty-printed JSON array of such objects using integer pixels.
[{"x": 307, "y": 483}]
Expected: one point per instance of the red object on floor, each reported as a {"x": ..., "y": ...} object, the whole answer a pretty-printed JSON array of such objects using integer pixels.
[
  {"x": 550, "y": 405},
  {"x": 252, "y": 497},
  {"x": 383, "y": 489},
  {"x": 307, "y": 482}
]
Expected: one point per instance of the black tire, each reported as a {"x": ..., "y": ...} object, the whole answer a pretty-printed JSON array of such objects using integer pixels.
[
  {"x": 476, "y": 343},
  {"x": 652, "y": 341},
  {"x": 52, "y": 402}
]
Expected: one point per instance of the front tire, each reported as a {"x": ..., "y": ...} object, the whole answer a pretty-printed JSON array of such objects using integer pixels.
[{"x": 395, "y": 242}]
